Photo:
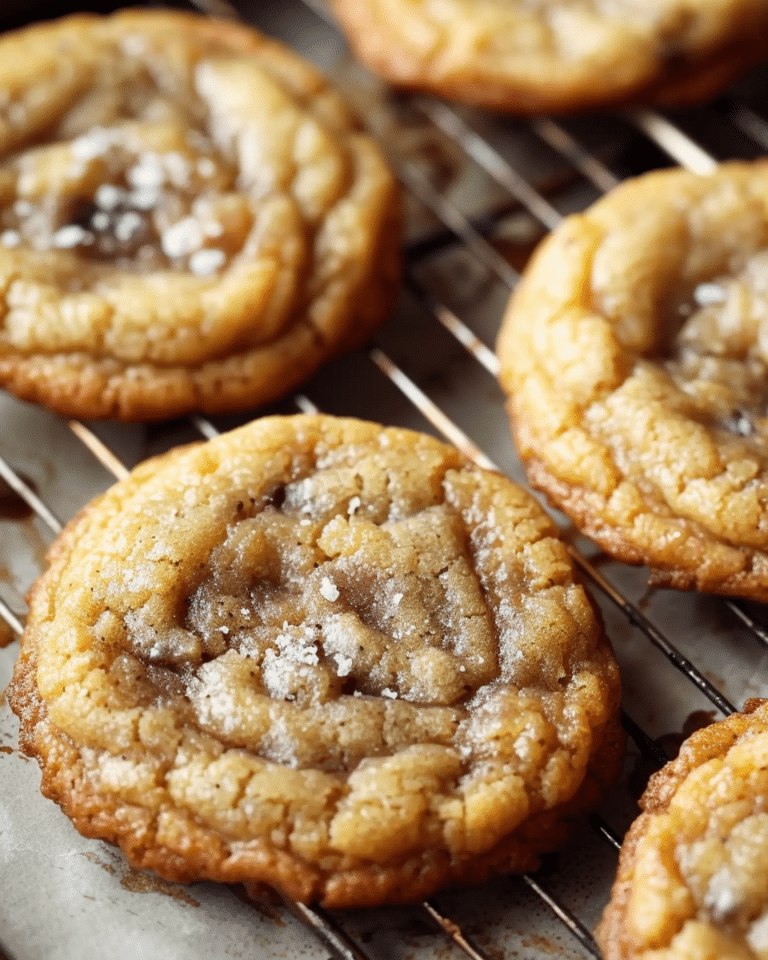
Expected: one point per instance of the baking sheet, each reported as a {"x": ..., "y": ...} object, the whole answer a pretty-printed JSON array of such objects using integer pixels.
[{"x": 64, "y": 896}]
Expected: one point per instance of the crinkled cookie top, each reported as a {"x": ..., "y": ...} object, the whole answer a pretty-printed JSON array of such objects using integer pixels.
[
  {"x": 188, "y": 215},
  {"x": 635, "y": 353},
  {"x": 322, "y": 653},
  {"x": 692, "y": 880}
]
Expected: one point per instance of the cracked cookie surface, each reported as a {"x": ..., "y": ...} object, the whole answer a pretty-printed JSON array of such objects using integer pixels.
[
  {"x": 635, "y": 355},
  {"x": 320, "y": 654},
  {"x": 559, "y": 55},
  {"x": 691, "y": 881},
  {"x": 189, "y": 217}
]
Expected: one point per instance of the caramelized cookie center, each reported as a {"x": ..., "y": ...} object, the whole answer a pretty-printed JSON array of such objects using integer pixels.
[
  {"x": 348, "y": 607},
  {"x": 329, "y": 624},
  {"x": 720, "y": 354},
  {"x": 129, "y": 175}
]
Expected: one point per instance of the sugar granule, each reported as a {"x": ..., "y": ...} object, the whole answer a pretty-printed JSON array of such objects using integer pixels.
[{"x": 329, "y": 589}]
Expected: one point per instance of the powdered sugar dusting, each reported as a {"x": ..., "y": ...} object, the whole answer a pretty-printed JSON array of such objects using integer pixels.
[
  {"x": 282, "y": 668},
  {"x": 163, "y": 644},
  {"x": 108, "y": 196},
  {"x": 343, "y": 665},
  {"x": 722, "y": 894},
  {"x": 148, "y": 172},
  {"x": 757, "y": 935},
  {"x": 329, "y": 589},
  {"x": 93, "y": 144},
  {"x": 707, "y": 294},
  {"x": 278, "y": 744},
  {"x": 71, "y": 235},
  {"x": 213, "y": 698},
  {"x": 183, "y": 238},
  {"x": 339, "y": 637},
  {"x": 207, "y": 261}
]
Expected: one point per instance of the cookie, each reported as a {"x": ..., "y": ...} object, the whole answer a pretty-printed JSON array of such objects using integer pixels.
[
  {"x": 190, "y": 219},
  {"x": 691, "y": 880},
  {"x": 634, "y": 352},
  {"x": 323, "y": 655},
  {"x": 562, "y": 55}
]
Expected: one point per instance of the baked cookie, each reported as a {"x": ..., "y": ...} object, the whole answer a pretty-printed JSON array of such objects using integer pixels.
[
  {"x": 189, "y": 217},
  {"x": 692, "y": 883},
  {"x": 559, "y": 55},
  {"x": 635, "y": 353},
  {"x": 320, "y": 654}
]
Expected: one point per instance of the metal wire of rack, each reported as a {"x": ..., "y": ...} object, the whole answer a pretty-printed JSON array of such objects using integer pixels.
[{"x": 472, "y": 235}]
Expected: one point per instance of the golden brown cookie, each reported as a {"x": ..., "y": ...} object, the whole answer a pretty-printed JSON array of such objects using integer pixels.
[
  {"x": 320, "y": 654},
  {"x": 189, "y": 217},
  {"x": 559, "y": 55},
  {"x": 692, "y": 883},
  {"x": 635, "y": 353}
]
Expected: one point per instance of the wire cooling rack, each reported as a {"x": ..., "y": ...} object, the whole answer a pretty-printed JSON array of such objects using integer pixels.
[{"x": 480, "y": 193}]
